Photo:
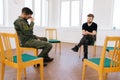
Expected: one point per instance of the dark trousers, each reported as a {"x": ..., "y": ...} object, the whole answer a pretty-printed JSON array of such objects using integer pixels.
[
  {"x": 40, "y": 43},
  {"x": 85, "y": 41}
]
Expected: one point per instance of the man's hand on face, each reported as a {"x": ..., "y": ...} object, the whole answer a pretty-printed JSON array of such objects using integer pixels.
[{"x": 32, "y": 19}]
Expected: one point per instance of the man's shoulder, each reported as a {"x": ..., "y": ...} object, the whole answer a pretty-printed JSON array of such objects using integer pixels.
[
  {"x": 94, "y": 23},
  {"x": 18, "y": 20},
  {"x": 85, "y": 24}
]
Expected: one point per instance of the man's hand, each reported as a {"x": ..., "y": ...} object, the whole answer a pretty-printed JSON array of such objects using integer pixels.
[
  {"x": 87, "y": 33},
  {"x": 90, "y": 33},
  {"x": 32, "y": 19}
]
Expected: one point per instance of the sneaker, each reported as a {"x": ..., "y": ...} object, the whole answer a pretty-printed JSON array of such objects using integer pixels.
[
  {"x": 48, "y": 59},
  {"x": 38, "y": 65},
  {"x": 75, "y": 49}
]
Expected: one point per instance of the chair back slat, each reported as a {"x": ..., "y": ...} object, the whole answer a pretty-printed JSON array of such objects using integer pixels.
[
  {"x": 51, "y": 33},
  {"x": 1, "y": 50},
  {"x": 115, "y": 57},
  {"x": 7, "y": 47},
  {"x": 9, "y": 50}
]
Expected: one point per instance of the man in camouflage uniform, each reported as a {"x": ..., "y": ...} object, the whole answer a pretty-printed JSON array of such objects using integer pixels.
[{"x": 25, "y": 33}]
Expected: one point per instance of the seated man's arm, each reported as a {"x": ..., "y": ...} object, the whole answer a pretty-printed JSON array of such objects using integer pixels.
[
  {"x": 91, "y": 33},
  {"x": 88, "y": 33}
]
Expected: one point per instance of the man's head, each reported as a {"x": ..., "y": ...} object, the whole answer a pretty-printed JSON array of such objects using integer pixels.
[
  {"x": 26, "y": 13},
  {"x": 90, "y": 18}
]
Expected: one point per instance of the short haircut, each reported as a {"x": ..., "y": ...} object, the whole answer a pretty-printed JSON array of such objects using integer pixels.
[
  {"x": 27, "y": 11},
  {"x": 90, "y": 15}
]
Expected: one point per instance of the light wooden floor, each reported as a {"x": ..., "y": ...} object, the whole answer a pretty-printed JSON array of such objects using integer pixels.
[{"x": 68, "y": 66}]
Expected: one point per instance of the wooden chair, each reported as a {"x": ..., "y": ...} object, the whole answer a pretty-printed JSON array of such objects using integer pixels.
[
  {"x": 51, "y": 34},
  {"x": 110, "y": 51},
  {"x": 16, "y": 59},
  {"x": 93, "y": 47},
  {"x": 105, "y": 65},
  {"x": 34, "y": 50},
  {"x": 0, "y": 56}
]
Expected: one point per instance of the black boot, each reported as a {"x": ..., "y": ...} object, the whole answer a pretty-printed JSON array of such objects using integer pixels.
[
  {"x": 38, "y": 65},
  {"x": 48, "y": 59},
  {"x": 75, "y": 49},
  {"x": 85, "y": 56}
]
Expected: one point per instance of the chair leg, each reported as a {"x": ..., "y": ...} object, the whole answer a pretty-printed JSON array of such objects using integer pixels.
[
  {"x": 105, "y": 77},
  {"x": 41, "y": 72},
  {"x": 94, "y": 51},
  {"x": 80, "y": 51},
  {"x": 60, "y": 48},
  {"x": 83, "y": 71},
  {"x": 25, "y": 73},
  {"x": 2, "y": 71},
  {"x": 19, "y": 73},
  {"x": 36, "y": 52},
  {"x": 55, "y": 47},
  {"x": 101, "y": 76}
]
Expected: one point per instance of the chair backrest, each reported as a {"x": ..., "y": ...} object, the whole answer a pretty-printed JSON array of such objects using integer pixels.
[
  {"x": 115, "y": 58},
  {"x": 51, "y": 33},
  {"x": 8, "y": 43},
  {"x": 1, "y": 50}
]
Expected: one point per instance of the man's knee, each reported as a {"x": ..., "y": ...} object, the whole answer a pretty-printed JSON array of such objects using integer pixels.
[
  {"x": 49, "y": 45},
  {"x": 86, "y": 42},
  {"x": 43, "y": 39}
]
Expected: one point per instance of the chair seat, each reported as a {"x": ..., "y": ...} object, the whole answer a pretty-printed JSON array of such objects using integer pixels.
[
  {"x": 109, "y": 48},
  {"x": 54, "y": 41},
  {"x": 97, "y": 61},
  {"x": 25, "y": 58}
]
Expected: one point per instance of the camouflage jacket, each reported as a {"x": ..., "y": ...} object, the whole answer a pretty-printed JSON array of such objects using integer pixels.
[{"x": 24, "y": 30}]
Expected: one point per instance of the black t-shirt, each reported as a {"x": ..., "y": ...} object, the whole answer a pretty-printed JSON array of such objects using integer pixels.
[{"x": 90, "y": 28}]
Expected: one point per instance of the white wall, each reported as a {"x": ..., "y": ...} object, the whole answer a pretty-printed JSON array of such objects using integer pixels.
[
  {"x": 103, "y": 33},
  {"x": 54, "y": 13},
  {"x": 103, "y": 13},
  {"x": 12, "y": 10}
]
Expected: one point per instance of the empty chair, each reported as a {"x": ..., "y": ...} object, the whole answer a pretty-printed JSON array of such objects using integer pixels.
[
  {"x": 104, "y": 64},
  {"x": 51, "y": 34}
]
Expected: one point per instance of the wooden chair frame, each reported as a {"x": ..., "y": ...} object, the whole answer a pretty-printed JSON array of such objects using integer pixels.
[
  {"x": 51, "y": 34},
  {"x": 105, "y": 65},
  {"x": 9, "y": 59}
]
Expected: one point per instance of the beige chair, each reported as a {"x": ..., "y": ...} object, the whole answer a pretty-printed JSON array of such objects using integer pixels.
[{"x": 51, "y": 34}]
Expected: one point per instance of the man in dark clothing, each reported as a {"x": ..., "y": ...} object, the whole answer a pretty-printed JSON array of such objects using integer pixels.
[
  {"x": 25, "y": 34},
  {"x": 89, "y": 30}
]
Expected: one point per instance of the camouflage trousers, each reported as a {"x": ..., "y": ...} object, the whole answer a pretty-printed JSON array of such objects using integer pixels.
[{"x": 40, "y": 43}]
